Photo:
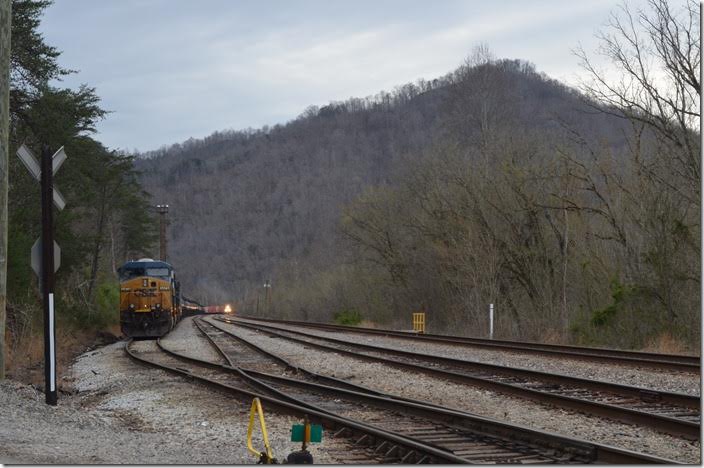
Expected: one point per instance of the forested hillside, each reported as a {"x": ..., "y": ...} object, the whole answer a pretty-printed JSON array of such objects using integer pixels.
[
  {"x": 246, "y": 203},
  {"x": 575, "y": 212}
]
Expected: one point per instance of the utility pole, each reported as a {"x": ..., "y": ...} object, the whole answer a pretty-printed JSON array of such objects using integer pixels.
[
  {"x": 163, "y": 210},
  {"x": 267, "y": 297},
  {"x": 5, "y": 27}
]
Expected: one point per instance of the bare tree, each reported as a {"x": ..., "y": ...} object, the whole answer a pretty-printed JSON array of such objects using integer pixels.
[{"x": 657, "y": 55}]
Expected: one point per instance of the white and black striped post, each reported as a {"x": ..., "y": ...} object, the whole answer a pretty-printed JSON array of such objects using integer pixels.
[
  {"x": 47, "y": 276},
  {"x": 46, "y": 254}
]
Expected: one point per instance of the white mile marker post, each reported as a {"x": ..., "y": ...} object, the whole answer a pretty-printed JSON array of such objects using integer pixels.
[{"x": 491, "y": 321}]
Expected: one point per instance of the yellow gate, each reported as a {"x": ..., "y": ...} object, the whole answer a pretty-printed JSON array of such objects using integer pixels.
[{"x": 419, "y": 322}]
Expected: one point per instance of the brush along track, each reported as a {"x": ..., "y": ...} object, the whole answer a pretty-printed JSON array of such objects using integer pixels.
[
  {"x": 675, "y": 362},
  {"x": 476, "y": 439},
  {"x": 673, "y": 413}
]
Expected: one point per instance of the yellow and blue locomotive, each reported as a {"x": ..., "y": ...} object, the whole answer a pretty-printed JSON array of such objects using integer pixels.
[{"x": 149, "y": 298}]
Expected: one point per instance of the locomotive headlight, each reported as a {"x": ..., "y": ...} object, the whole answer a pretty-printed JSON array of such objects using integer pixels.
[
  {"x": 158, "y": 306},
  {"x": 131, "y": 306}
]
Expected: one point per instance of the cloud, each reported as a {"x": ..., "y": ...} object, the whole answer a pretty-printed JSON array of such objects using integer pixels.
[{"x": 173, "y": 69}]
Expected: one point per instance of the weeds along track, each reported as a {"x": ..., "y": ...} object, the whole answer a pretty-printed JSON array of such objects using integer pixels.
[
  {"x": 678, "y": 362},
  {"x": 673, "y": 413},
  {"x": 475, "y": 439}
]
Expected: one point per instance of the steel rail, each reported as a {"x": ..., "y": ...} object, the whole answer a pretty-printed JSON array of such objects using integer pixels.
[
  {"x": 466, "y": 421},
  {"x": 576, "y": 448},
  {"x": 288, "y": 365},
  {"x": 330, "y": 381},
  {"x": 315, "y": 416},
  {"x": 597, "y": 453},
  {"x": 673, "y": 398},
  {"x": 678, "y": 362},
  {"x": 680, "y": 427}
]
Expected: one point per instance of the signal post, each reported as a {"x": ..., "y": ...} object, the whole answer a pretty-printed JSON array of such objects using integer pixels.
[
  {"x": 47, "y": 276},
  {"x": 46, "y": 255}
]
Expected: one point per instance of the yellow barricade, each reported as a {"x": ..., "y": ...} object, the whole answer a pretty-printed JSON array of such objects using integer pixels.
[{"x": 419, "y": 322}]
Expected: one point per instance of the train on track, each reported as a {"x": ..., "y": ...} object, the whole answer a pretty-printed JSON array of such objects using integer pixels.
[
  {"x": 150, "y": 298},
  {"x": 151, "y": 302}
]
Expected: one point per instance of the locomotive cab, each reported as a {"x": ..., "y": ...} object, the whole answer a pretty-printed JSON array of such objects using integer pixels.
[{"x": 149, "y": 305}]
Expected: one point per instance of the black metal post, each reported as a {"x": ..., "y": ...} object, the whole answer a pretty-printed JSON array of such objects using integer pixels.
[{"x": 47, "y": 277}]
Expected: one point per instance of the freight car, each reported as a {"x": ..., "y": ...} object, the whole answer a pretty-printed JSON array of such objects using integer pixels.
[
  {"x": 190, "y": 307},
  {"x": 149, "y": 298},
  {"x": 219, "y": 309}
]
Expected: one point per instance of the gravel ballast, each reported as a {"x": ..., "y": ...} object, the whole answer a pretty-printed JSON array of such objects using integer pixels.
[
  {"x": 123, "y": 412},
  {"x": 656, "y": 379},
  {"x": 478, "y": 401}
]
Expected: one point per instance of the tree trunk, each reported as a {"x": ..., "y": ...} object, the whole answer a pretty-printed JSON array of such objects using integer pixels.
[
  {"x": 96, "y": 249},
  {"x": 113, "y": 262},
  {"x": 5, "y": 27}
]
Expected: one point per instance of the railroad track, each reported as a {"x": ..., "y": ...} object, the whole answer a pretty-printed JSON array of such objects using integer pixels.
[
  {"x": 234, "y": 381},
  {"x": 673, "y": 413},
  {"x": 678, "y": 362},
  {"x": 395, "y": 430}
]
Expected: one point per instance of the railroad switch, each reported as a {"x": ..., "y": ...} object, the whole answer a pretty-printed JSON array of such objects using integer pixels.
[
  {"x": 305, "y": 433},
  {"x": 267, "y": 456}
]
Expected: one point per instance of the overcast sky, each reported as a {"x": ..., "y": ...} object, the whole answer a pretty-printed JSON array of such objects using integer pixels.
[{"x": 173, "y": 69}]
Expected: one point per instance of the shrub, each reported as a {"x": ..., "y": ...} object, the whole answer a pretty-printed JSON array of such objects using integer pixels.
[
  {"x": 348, "y": 317},
  {"x": 621, "y": 295},
  {"x": 103, "y": 314}
]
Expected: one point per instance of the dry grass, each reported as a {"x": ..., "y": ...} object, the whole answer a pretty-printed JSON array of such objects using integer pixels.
[
  {"x": 367, "y": 324},
  {"x": 667, "y": 344},
  {"x": 552, "y": 336},
  {"x": 25, "y": 358}
]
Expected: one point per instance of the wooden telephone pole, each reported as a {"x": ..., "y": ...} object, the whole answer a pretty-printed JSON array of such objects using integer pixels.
[
  {"x": 163, "y": 210},
  {"x": 5, "y": 26}
]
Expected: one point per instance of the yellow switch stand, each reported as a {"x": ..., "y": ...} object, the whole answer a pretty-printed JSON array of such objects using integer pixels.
[{"x": 266, "y": 457}]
